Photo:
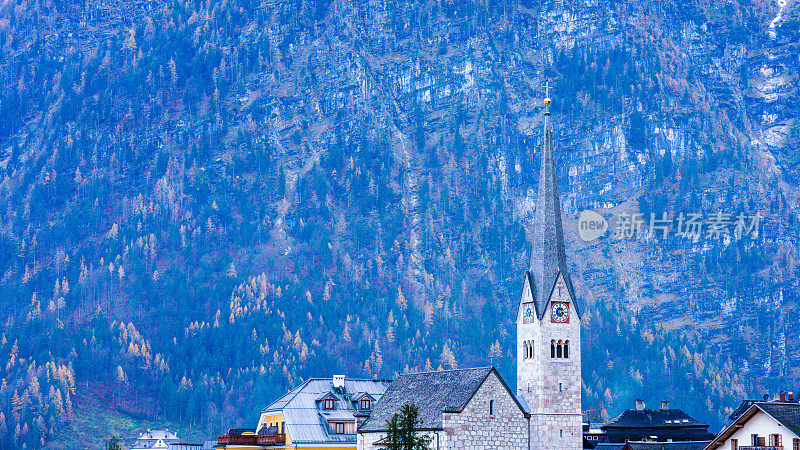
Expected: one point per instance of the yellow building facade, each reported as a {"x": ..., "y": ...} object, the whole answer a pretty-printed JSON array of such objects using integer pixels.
[{"x": 321, "y": 413}]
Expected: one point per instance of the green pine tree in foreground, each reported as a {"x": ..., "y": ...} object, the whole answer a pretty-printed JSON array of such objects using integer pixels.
[
  {"x": 402, "y": 430},
  {"x": 113, "y": 444}
]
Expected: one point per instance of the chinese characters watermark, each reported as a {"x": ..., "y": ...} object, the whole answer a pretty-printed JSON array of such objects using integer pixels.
[{"x": 692, "y": 226}]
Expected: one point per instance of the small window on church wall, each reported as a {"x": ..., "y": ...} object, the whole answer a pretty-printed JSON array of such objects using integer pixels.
[
  {"x": 491, "y": 407},
  {"x": 531, "y": 346},
  {"x": 566, "y": 349},
  {"x": 552, "y": 349}
]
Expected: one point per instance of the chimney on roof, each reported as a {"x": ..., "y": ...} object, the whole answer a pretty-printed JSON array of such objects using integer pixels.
[
  {"x": 782, "y": 397},
  {"x": 338, "y": 381},
  {"x": 790, "y": 395},
  {"x": 639, "y": 404},
  {"x": 664, "y": 404}
]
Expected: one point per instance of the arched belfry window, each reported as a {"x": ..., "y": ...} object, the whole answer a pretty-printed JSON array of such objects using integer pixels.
[
  {"x": 558, "y": 350},
  {"x": 527, "y": 347},
  {"x": 553, "y": 349},
  {"x": 566, "y": 349}
]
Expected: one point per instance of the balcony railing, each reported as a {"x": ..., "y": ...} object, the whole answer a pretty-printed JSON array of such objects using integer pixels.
[
  {"x": 761, "y": 447},
  {"x": 252, "y": 439}
]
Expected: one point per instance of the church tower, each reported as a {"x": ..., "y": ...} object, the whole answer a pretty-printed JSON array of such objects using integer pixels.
[{"x": 549, "y": 323}]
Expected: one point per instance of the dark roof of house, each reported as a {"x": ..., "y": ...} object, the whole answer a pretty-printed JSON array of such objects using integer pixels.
[
  {"x": 608, "y": 446},
  {"x": 548, "y": 255},
  {"x": 787, "y": 414},
  {"x": 433, "y": 393},
  {"x": 690, "y": 445},
  {"x": 653, "y": 418}
]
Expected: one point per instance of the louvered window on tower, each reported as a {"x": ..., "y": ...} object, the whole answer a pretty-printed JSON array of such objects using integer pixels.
[
  {"x": 566, "y": 349},
  {"x": 553, "y": 349}
]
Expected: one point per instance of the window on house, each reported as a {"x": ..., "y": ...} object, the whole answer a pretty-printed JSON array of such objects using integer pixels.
[
  {"x": 775, "y": 440},
  {"x": 552, "y": 349},
  {"x": 283, "y": 427},
  {"x": 491, "y": 407},
  {"x": 365, "y": 404},
  {"x": 566, "y": 349},
  {"x": 735, "y": 444},
  {"x": 329, "y": 403},
  {"x": 795, "y": 444},
  {"x": 758, "y": 441},
  {"x": 558, "y": 350},
  {"x": 338, "y": 428}
]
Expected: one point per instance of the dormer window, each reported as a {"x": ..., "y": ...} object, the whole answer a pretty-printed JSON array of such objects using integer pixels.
[
  {"x": 338, "y": 428},
  {"x": 366, "y": 405},
  {"x": 328, "y": 403}
]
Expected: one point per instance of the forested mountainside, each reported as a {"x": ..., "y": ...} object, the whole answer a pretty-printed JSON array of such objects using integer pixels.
[{"x": 207, "y": 201}]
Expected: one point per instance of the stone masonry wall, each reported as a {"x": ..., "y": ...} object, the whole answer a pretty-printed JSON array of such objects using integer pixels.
[{"x": 475, "y": 429}]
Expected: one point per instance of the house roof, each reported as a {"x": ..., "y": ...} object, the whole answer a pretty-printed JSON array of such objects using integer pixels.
[
  {"x": 677, "y": 445},
  {"x": 787, "y": 414},
  {"x": 434, "y": 393},
  {"x": 150, "y": 438},
  {"x": 609, "y": 446},
  {"x": 306, "y": 421},
  {"x": 653, "y": 418},
  {"x": 685, "y": 445}
]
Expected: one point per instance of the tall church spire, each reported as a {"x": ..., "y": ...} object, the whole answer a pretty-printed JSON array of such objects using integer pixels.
[{"x": 548, "y": 256}]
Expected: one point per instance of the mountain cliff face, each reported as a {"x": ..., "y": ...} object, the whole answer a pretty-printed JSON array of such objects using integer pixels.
[{"x": 207, "y": 201}]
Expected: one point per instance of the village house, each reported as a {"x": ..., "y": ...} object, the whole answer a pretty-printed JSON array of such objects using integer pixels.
[
  {"x": 155, "y": 439},
  {"x": 320, "y": 413},
  {"x": 656, "y": 425},
  {"x": 762, "y": 425}
]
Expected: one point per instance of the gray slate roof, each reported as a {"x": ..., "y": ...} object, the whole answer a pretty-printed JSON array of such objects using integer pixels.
[
  {"x": 548, "y": 256},
  {"x": 433, "y": 392},
  {"x": 306, "y": 422},
  {"x": 788, "y": 414},
  {"x": 688, "y": 445},
  {"x": 653, "y": 418},
  {"x": 149, "y": 438},
  {"x": 609, "y": 446}
]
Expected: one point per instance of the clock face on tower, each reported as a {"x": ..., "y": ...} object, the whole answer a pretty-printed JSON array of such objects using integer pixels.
[
  {"x": 559, "y": 312},
  {"x": 527, "y": 313}
]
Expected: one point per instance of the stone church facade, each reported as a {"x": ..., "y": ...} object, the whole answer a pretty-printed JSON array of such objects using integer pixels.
[
  {"x": 459, "y": 409},
  {"x": 473, "y": 408}
]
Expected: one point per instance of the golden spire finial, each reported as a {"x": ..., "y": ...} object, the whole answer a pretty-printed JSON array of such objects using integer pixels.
[{"x": 547, "y": 88}]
